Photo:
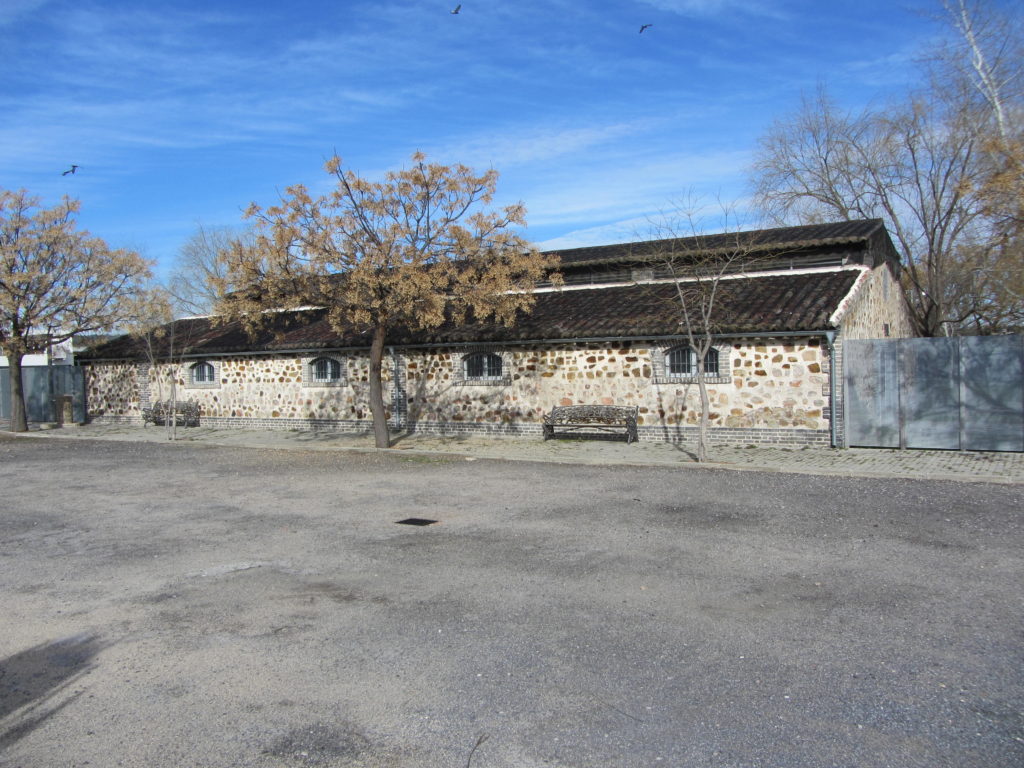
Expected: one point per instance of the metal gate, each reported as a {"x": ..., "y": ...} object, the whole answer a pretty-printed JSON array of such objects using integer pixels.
[
  {"x": 43, "y": 386},
  {"x": 961, "y": 393}
]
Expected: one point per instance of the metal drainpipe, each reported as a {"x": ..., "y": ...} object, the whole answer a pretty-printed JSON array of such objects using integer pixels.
[
  {"x": 830, "y": 337},
  {"x": 397, "y": 391}
]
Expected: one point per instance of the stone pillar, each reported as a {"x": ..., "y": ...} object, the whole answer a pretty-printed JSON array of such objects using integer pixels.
[
  {"x": 66, "y": 411},
  {"x": 142, "y": 379}
]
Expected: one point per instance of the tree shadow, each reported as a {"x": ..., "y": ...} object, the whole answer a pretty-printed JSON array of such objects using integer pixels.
[
  {"x": 585, "y": 436},
  {"x": 35, "y": 683},
  {"x": 416, "y": 409}
]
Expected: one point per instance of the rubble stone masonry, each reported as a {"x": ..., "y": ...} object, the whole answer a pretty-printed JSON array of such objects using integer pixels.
[
  {"x": 778, "y": 386},
  {"x": 768, "y": 389}
]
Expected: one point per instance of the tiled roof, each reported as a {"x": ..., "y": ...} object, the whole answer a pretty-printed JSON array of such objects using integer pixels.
[
  {"x": 756, "y": 305},
  {"x": 780, "y": 239}
]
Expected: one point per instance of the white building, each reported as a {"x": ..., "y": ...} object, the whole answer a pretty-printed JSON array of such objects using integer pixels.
[{"x": 60, "y": 354}]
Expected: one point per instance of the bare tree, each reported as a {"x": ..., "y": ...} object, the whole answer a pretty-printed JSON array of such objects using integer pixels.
[
  {"x": 151, "y": 322},
  {"x": 985, "y": 59},
  {"x": 909, "y": 165},
  {"x": 698, "y": 263},
  {"x": 410, "y": 252},
  {"x": 199, "y": 277},
  {"x": 55, "y": 282},
  {"x": 931, "y": 166}
]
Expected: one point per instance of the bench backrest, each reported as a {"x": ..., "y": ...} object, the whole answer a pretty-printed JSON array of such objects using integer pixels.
[{"x": 612, "y": 414}]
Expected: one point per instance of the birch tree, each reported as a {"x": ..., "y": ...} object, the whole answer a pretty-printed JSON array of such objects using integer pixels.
[
  {"x": 986, "y": 56},
  {"x": 418, "y": 248},
  {"x": 56, "y": 281}
]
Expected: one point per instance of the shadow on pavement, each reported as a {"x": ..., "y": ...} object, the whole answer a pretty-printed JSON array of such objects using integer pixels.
[{"x": 35, "y": 682}]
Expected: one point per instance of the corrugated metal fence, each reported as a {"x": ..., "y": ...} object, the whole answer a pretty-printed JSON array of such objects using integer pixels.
[
  {"x": 44, "y": 385},
  {"x": 961, "y": 393}
]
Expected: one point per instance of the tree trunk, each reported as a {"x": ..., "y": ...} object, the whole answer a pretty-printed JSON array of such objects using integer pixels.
[
  {"x": 172, "y": 422},
  {"x": 19, "y": 417},
  {"x": 380, "y": 417},
  {"x": 705, "y": 408}
]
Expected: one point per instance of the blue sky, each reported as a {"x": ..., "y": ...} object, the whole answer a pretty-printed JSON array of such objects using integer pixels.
[{"x": 183, "y": 112}]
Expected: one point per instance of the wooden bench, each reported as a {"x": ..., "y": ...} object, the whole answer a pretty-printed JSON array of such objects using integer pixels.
[
  {"x": 187, "y": 413},
  {"x": 607, "y": 418}
]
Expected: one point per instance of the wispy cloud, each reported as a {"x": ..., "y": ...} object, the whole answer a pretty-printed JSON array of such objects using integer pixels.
[
  {"x": 707, "y": 8},
  {"x": 163, "y": 80},
  {"x": 627, "y": 186},
  {"x": 710, "y": 217},
  {"x": 10, "y": 10},
  {"x": 189, "y": 109},
  {"x": 524, "y": 143}
]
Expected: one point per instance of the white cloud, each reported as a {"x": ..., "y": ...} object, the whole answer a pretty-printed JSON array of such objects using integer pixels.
[
  {"x": 627, "y": 230},
  {"x": 520, "y": 145},
  {"x": 12, "y": 9},
  {"x": 709, "y": 218},
  {"x": 705, "y": 8},
  {"x": 634, "y": 185}
]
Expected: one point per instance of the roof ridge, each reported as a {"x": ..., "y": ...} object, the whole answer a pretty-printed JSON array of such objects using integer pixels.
[{"x": 829, "y": 233}]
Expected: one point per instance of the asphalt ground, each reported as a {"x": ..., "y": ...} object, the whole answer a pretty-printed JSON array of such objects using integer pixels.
[
  {"x": 190, "y": 604},
  {"x": 983, "y": 466}
]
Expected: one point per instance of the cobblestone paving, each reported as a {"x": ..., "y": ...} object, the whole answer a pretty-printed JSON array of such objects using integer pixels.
[{"x": 933, "y": 465}]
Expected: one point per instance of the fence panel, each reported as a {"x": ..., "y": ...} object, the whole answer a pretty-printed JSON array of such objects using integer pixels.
[
  {"x": 930, "y": 392},
  {"x": 872, "y": 394},
  {"x": 43, "y": 385},
  {"x": 954, "y": 393},
  {"x": 992, "y": 392}
]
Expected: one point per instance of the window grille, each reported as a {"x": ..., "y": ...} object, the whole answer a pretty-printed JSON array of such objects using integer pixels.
[
  {"x": 326, "y": 370},
  {"x": 682, "y": 361},
  {"x": 203, "y": 373},
  {"x": 483, "y": 365},
  {"x": 678, "y": 364}
]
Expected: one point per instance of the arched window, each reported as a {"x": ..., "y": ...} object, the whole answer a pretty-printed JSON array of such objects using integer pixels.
[
  {"x": 482, "y": 366},
  {"x": 682, "y": 361},
  {"x": 203, "y": 373},
  {"x": 325, "y": 370}
]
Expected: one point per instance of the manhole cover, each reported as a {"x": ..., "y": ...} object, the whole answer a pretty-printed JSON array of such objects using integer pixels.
[{"x": 416, "y": 521}]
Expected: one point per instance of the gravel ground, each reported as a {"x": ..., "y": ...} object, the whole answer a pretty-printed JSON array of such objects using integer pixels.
[{"x": 196, "y": 605}]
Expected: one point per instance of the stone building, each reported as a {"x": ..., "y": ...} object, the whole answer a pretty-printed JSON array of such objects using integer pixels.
[{"x": 610, "y": 334}]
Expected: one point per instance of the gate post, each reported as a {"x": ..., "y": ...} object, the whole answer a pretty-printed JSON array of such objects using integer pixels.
[{"x": 66, "y": 411}]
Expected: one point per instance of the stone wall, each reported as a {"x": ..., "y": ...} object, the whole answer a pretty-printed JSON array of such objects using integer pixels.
[
  {"x": 772, "y": 387},
  {"x": 877, "y": 310},
  {"x": 113, "y": 391}
]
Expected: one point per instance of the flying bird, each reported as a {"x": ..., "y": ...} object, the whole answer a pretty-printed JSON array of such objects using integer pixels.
[
  {"x": 70, "y": 170},
  {"x": 457, "y": 8},
  {"x": 645, "y": 26}
]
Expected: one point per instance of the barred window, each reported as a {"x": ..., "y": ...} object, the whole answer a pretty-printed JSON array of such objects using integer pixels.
[
  {"x": 682, "y": 361},
  {"x": 483, "y": 366},
  {"x": 203, "y": 373},
  {"x": 326, "y": 370}
]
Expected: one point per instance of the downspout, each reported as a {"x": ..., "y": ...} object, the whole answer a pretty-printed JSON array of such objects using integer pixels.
[
  {"x": 830, "y": 337},
  {"x": 397, "y": 391}
]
